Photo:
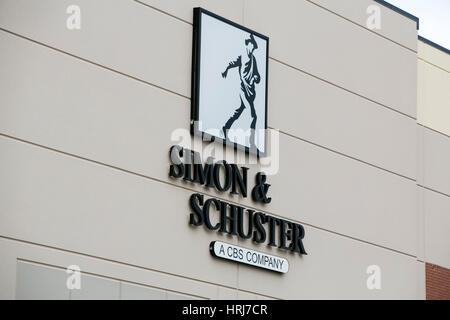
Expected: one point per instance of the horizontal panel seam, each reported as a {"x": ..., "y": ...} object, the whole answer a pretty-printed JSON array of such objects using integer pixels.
[
  {"x": 342, "y": 88},
  {"x": 163, "y": 12},
  {"x": 40, "y": 263},
  {"x": 95, "y": 63},
  {"x": 363, "y": 27},
  {"x": 124, "y": 264},
  {"x": 346, "y": 156},
  {"x": 95, "y": 274},
  {"x": 348, "y": 20},
  {"x": 181, "y": 95},
  {"x": 432, "y": 64},
  {"x": 433, "y": 190},
  {"x": 71, "y": 155},
  {"x": 329, "y": 82},
  {"x": 167, "y": 90},
  {"x": 434, "y": 130}
]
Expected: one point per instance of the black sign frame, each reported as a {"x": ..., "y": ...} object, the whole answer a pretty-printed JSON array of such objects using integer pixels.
[{"x": 195, "y": 81}]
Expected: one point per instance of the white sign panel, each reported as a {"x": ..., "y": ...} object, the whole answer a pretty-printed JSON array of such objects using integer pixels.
[
  {"x": 230, "y": 82},
  {"x": 251, "y": 257}
]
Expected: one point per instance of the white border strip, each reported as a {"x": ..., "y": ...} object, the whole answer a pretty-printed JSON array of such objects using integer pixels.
[{"x": 247, "y": 256}]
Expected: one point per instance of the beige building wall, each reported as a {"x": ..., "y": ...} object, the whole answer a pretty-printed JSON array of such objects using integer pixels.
[
  {"x": 433, "y": 117},
  {"x": 433, "y": 90},
  {"x": 85, "y": 128}
]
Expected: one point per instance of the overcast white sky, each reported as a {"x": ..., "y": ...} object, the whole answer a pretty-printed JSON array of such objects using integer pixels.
[{"x": 434, "y": 18}]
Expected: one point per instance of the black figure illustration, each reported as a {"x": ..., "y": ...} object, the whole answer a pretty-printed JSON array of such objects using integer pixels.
[{"x": 249, "y": 75}]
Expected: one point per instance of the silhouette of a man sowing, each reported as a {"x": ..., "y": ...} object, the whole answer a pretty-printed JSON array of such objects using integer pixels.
[{"x": 249, "y": 75}]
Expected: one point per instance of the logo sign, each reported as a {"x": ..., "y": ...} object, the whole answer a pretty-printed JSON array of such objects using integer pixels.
[
  {"x": 247, "y": 256},
  {"x": 225, "y": 217},
  {"x": 229, "y": 89}
]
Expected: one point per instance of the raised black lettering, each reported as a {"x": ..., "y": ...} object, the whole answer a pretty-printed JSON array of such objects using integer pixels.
[
  {"x": 241, "y": 223},
  {"x": 259, "y": 235},
  {"x": 298, "y": 234},
  {"x": 228, "y": 175},
  {"x": 285, "y": 234},
  {"x": 188, "y": 165},
  {"x": 203, "y": 174},
  {"x": 224, "y": 218},
  {"x": 273, "y": 222},
  {"x": 206, "y": 209},
  {"x": 196, "y": 218},
  {"x": 176, "y": 168},
  {"x": 239, "y": 180}
]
